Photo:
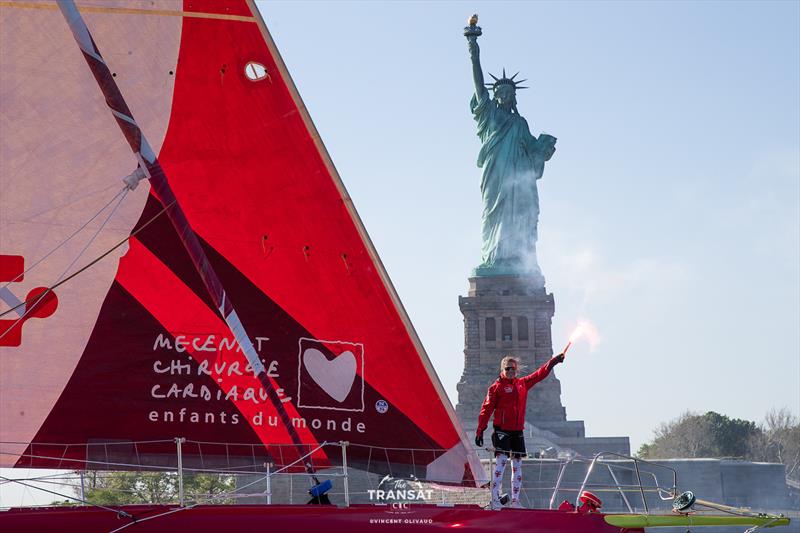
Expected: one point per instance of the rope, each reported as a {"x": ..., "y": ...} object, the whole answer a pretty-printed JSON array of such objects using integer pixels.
[
  {"x": 155, "y": 468},
  {"x": 75, "y": 260},
  {"x": 84, "y": 444},
  {"x": 87, "y": 461},
  {"x": 45, "y": 477},
  {"x": 96, "y": 260},
  {"x": 65, "y": 241},
  {"x": 398, "y": 449},
  {"x": 119, "y": 512}
]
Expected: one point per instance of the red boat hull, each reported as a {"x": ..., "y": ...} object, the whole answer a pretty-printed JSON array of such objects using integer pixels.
[{"x": 354, "y": 519}]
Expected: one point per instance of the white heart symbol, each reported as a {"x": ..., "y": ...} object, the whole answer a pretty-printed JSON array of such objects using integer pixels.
[{"x": 335, "y": 376}]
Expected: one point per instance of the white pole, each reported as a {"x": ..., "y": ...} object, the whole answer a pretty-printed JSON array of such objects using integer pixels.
[
  {"x": 179, "y": 441},
  {"x": 269, "y": 484},
  {"x": 344, "y": 444}
]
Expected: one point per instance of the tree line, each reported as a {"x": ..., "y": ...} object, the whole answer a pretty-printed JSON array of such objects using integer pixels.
[
  {"x": 124, "y": 488},
  {"x": 776, "y": 439}
]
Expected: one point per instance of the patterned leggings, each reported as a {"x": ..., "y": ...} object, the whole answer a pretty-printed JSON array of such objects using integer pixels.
[{"x": 516, "y": 477}]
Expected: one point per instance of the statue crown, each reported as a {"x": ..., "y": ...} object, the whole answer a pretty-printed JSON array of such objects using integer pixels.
[{"x": 506, "y": 81}]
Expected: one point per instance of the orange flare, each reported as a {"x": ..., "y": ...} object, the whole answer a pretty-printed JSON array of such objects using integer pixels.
[
  {"x": 584, "y": 329},
  {"x": 576, "y": 334}
]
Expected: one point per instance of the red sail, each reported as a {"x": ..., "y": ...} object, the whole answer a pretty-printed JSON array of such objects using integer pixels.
[{"x": 133, "y": 348}]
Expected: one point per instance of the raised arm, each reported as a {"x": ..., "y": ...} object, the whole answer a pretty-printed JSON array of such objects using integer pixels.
[
  {"x": 542, "y": 372},
  {"x": 477, "y": 72},
  {"x": 472, "y": 32}
]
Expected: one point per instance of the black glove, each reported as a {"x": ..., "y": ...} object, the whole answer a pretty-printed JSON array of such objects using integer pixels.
[
  {"x": 555, "y": 360},
  {"x": 479, "y": 439}
]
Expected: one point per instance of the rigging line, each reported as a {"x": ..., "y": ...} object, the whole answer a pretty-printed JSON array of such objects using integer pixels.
[
  {"x": 402, "y": 449},
  {"x": 62, "y": 243},
  {"x": 96, "y": 260},
  {"x": 45, "y": 479},
  {"x": 230, "y": 444},
  {"x": 75, "y": 260},
  {"x": 82, "y": 444},
  {"x": 119, "y": 512},
  {"x": 58, "y": 482},
  {"x": 151, "y": 468}
]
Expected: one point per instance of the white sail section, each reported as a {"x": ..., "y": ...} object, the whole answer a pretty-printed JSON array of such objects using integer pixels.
[{"x": 62, "y": 159}]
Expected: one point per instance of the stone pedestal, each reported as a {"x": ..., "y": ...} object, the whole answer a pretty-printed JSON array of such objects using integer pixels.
[
  {"x": 512, "y": 315},
  {"x": 507, "y": 315}
]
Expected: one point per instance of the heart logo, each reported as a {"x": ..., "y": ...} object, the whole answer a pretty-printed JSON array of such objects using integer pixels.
[{"x": 336, "y": 376}]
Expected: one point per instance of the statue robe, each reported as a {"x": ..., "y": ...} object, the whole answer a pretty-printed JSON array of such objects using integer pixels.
[{"x": 512, "y": 160}]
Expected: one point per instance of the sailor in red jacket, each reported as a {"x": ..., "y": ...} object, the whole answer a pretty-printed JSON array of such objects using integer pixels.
[{"x": 507, "y": 398}]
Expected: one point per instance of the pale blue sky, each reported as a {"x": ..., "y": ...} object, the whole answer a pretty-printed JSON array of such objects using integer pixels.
[{"x": 669, "y": 212}]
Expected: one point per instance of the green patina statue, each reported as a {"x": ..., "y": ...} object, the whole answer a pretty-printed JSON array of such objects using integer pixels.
[{"x": 512, "y": 160}]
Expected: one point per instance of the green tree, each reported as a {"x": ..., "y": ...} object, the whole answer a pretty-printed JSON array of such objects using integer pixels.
[
  {"x": 119, "y": 488},
  {"x": 202, "y": 487},
  {"x": 775, "y": 440},
  {"x": 707, "y": 435}
]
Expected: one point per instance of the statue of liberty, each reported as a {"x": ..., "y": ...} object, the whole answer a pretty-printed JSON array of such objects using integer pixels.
[{"x": 512, "y": 160}]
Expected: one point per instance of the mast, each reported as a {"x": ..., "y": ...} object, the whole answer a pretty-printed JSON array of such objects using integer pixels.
[{"x": 150, "y": 168}]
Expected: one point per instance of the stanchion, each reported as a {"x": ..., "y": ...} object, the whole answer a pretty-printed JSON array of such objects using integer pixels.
[
  {"x": 269, "y": 483},
  {"x": 344, "y": 444},
  {"x": 178, "y": 442}
]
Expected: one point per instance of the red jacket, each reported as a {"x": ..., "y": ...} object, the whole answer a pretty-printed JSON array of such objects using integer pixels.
[{"x": 507, "y": 397}]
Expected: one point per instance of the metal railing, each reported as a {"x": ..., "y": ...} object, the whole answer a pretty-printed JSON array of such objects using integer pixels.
[
  {"x": 613, "y": 466},
  {"x": 258, "y": 473}
]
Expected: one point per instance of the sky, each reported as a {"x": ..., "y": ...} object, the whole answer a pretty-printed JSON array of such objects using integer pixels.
[{"x": 669, "y": 212}]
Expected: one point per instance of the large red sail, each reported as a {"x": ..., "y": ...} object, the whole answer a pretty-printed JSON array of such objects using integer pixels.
[{"x": 134, "y": 348}]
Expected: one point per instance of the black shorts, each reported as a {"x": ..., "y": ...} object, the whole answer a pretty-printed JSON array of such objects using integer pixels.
[{"x": 509, "y": 443}]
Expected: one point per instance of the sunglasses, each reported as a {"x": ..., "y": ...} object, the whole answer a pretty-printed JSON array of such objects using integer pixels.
[{"x": 510, "y": 368}]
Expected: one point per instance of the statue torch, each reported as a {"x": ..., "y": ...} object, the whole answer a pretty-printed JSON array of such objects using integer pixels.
[{"x": 472, "y": 29}]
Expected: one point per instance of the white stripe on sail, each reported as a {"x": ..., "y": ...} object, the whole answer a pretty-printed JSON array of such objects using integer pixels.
[{"x": 241, "y": 337}]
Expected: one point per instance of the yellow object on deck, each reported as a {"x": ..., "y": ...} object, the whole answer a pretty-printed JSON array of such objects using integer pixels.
[{"x": 644, "y": 520}]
